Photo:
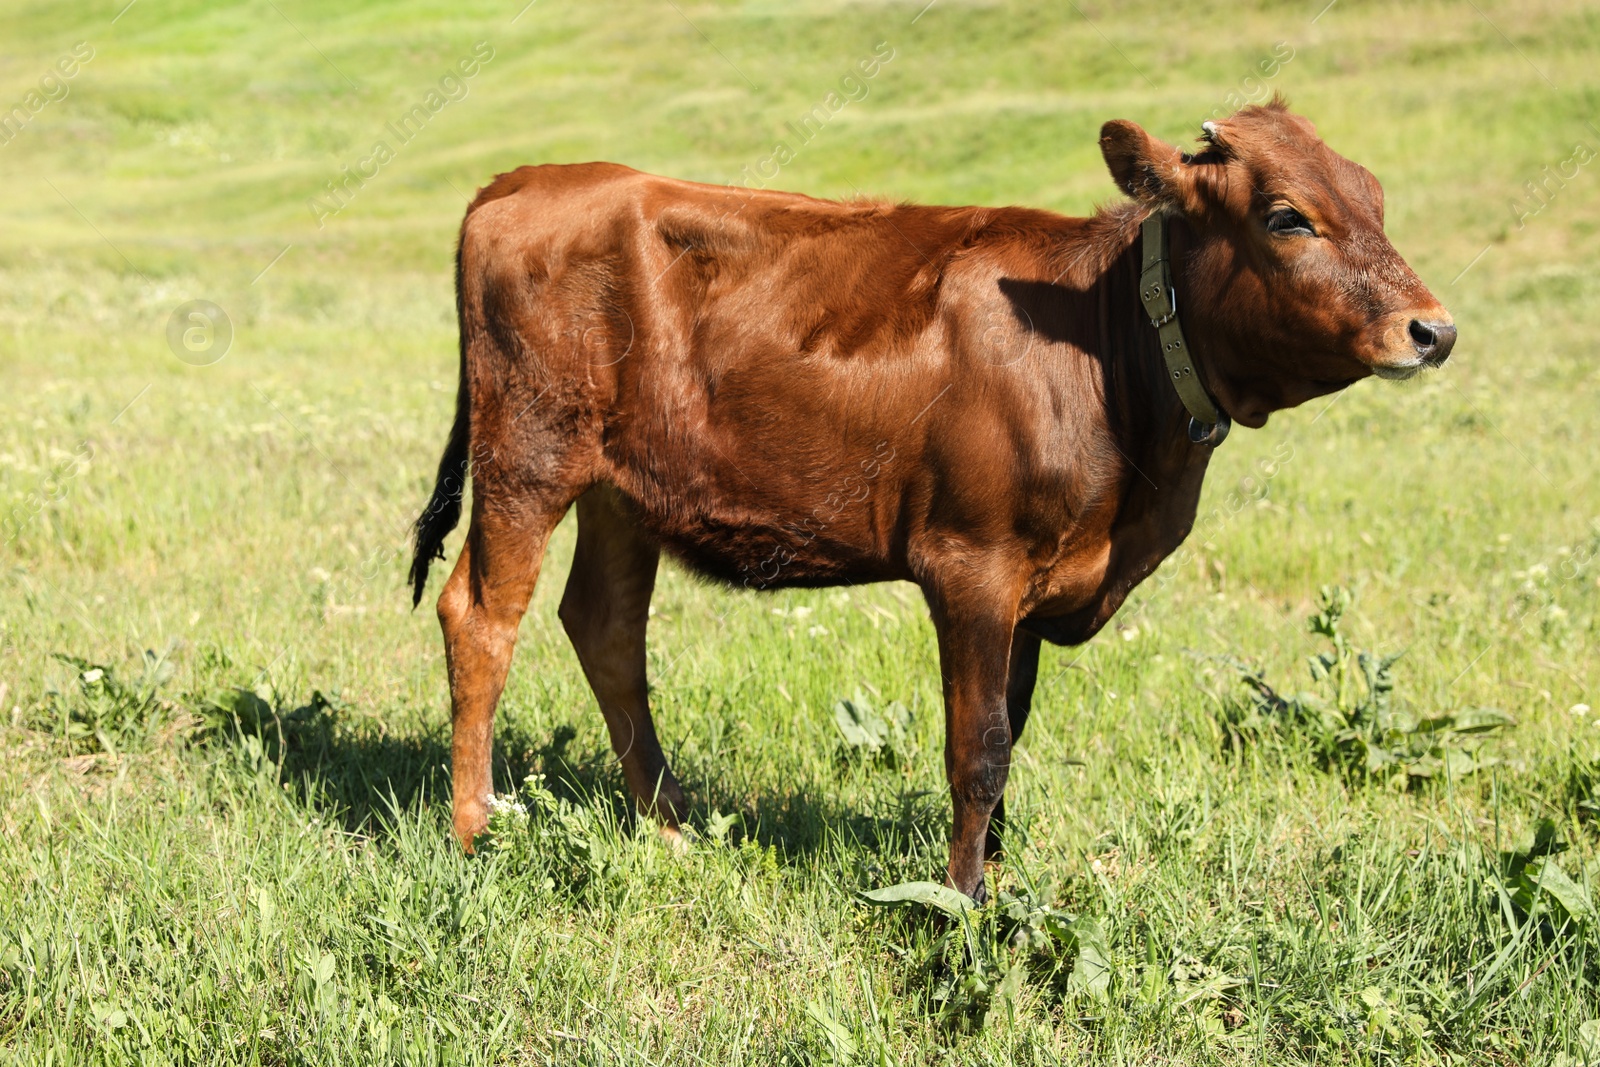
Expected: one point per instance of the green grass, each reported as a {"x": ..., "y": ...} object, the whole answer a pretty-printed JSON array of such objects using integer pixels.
[{"x": 191, "y": 875}]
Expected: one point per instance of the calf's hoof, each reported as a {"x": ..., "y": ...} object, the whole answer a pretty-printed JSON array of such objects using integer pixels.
[
  {"x": 471, "y": 820},
  {"x": 973, "y": 887},
  {"x": 673, "y": 838}
]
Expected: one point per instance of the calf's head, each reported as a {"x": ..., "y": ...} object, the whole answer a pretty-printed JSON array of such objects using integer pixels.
[{"x": 1288, "y": 287}]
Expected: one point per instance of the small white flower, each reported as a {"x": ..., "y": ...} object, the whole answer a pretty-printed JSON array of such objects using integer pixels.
[
  {"x": 818, "y": 631},
  {"x": 801, "y": 612},
  {"x": 317, "y": 574},
  {"x": 507, "y": 805},
  {"x": 93, "y": 676},
  {"x": 1579, "y": 709}
]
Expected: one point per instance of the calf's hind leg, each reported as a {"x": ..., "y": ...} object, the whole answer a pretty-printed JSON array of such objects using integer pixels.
[
  {"x": 605, "y": 609},
  {"x": 479, "y": 610}
]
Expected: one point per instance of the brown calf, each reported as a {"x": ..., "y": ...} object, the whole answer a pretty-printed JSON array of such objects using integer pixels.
[{"x": 783, "y": 391}]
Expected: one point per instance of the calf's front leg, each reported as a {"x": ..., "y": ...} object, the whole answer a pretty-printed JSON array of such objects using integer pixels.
[
  {"x": 1019, "y": 702},
  {"x": 974, "y": 659}
]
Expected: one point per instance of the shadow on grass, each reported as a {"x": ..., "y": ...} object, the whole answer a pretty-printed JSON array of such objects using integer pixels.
[
  {"x": 893, "y": 829},
  {"x": 362, "y": 775}
]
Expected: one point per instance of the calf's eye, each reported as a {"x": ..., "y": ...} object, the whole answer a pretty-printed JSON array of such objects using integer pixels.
[{"x": 1286, "y": 220}]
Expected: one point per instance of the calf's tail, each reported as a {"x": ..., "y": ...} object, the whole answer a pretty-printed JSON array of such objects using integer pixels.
[{"x": 444, "y": 509}]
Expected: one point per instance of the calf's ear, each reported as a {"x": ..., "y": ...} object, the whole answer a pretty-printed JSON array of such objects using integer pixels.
[
  {"x": 1140, "y": 165},
  {"x": 1152, "y": 171}
]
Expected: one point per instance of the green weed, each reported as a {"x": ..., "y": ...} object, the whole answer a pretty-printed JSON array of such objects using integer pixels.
[
  {"x": 100, "y": 711},
  {"x": 982, "y": 959},
  {"x": 1352, "y": 720},
  {"x": 1532, "y": 881},
  {"x": 866, "y": 731}
]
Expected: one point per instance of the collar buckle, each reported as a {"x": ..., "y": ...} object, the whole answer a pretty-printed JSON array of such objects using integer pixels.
[{"x": 1171, "y": 312}]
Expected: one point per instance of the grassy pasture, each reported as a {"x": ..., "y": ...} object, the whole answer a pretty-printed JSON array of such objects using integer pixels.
[{"x": 223, "y": 827}]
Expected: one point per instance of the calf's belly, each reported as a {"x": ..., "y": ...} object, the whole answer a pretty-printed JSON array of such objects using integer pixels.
[{"x": 748, "y": 551}]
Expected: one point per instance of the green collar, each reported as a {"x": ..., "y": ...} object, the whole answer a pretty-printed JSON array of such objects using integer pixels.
[{"x": 1208, "y": 423}]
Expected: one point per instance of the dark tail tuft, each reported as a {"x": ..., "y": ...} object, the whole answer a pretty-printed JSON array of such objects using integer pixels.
[{"x": 444, "y": 510}]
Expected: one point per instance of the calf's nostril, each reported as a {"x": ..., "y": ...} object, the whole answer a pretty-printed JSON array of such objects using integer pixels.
[
  {"x": 1433, "y": 340},
  {"x": 1446, "y": 341}
]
